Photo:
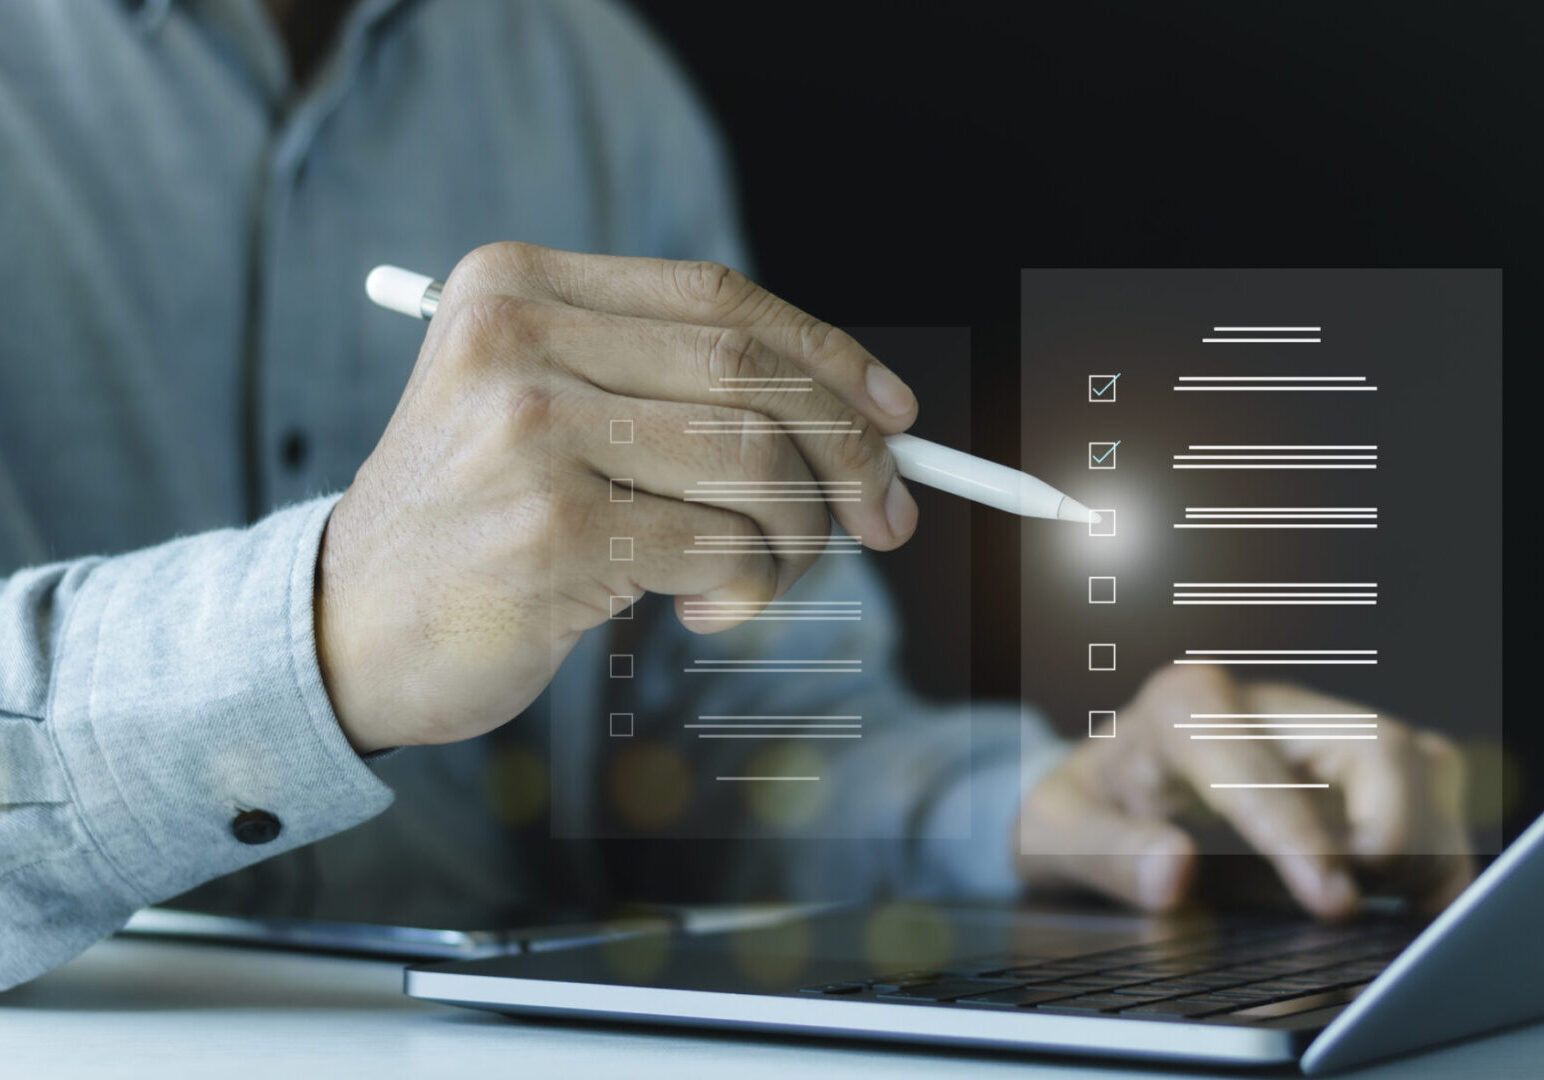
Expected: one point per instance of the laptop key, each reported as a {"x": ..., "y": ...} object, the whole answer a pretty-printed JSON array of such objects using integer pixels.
[
  {"x": 1183, "y": 1008},
  {"x": 834, "y": 988},
  {"x": 1135, "y": 994},
  {"x": 1089, "y": 1003},
  {"x": 1172, "y": 987},
  {"x": 1294, "y": 1006},
  {"x": 1079, "y": 983},
  {"x": 889, "y": 983},
  {"x": 983, "y": 967},
  {"x": 941, "y": 990},
  {"x": 1020, "y": 997}
]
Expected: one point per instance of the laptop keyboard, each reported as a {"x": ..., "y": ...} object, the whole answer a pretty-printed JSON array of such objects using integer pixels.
[{"x": 1251, "y": 973}]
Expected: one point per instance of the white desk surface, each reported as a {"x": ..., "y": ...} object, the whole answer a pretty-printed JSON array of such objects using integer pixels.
[{"x": 166, "y": 1010}]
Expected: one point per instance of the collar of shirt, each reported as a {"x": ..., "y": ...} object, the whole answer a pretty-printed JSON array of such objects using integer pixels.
[{"x": 249, "y": 30}]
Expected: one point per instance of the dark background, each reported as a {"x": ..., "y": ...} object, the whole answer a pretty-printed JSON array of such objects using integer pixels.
[{"x": 899, "y": 163}]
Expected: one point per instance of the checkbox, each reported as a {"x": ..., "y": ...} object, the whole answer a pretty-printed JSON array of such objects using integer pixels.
[
  {"x": 621, "y": 665},
  {"x": 1105, "y": 526},
  {"x": 1101, "y": 723},
  {"x": 621, "y": 549},
  {"x": 622, "y": 489},
  {"x": 1101, "y": 657},
  {"x": 1101, "y": 455},
  {"x": 622, "y": 607},
  {"x": 621, "y": 725},
  {"x": 1101, "y": 389},
  {"x": 621, "y": 432},
  {"x": 1101, "y": 590}
]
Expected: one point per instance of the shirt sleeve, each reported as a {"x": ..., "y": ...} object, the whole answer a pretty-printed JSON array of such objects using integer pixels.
[{"x": 146, "y": 700}]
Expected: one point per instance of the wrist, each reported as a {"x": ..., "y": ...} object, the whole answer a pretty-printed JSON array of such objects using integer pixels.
[{"x": 337, "y": 664}]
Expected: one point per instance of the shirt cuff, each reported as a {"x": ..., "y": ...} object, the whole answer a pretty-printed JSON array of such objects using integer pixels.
[{"x": 187, "y": 691}]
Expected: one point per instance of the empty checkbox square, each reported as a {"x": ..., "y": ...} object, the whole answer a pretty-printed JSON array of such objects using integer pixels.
[
  {"x": 1101, "y": 657},
  {"x": 621, "y": 665},
  {"x": 1101, "y": 590},
  {"x": 621, "y": 432},
  {"x": 622, "y": 607},
  {"x": 621, "y": 489},
  {"x": 621, "y": 549},
  {"x": 1105, "y": 526},
  {"x": 1101, "y": 723},
  {"x": 621, "y": 725}
]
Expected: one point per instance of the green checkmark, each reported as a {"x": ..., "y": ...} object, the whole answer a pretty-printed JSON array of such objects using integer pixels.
[
  {"x": 1102, "y": 458},
  {"x": 1101, "y": 393}
]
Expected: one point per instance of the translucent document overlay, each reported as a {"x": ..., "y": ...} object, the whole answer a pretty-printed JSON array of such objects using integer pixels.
[
  {"x": 1299, "y": 474},
  {"x": 796, "y": 720}
]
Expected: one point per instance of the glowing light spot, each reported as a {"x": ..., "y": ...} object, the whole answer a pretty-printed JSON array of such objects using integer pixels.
[
  {"x": 515, "y": 785},
  {"x": 1493, "y": 782},
  {"x": 650, "y": 785},
  {"x": 637, "y": 959},
  {"x": 786, "y": 806},
  {"x": 773, "y": 955},
  {"x": 906, "y": 935}
]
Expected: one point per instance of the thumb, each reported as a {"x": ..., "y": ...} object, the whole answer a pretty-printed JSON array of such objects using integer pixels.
[{"x": 1146, "y": 862}]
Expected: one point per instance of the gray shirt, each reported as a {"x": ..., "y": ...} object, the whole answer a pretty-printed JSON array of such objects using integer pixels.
[{"x": 189, "y": 372}]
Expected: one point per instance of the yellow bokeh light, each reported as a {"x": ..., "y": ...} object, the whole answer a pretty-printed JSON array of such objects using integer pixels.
[
  {"x": 515, "y": 784},
  {"x": 786, "y": 805},
  {"x": 650, "y": 786},
  {"x": 906, "y": 934},
  {"x": 772, "y": 955}
]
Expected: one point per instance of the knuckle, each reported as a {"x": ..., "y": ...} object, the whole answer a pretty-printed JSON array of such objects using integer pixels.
[
  {"x": 553, "y": 515},
  {"x": 474, "y": 270},
  {"x": 1443, "y": 752},
  {"x": 1395, "y": 738},
  {"x": 527, "y": 409},
  {"x": 709, "y": 283},
  {"x": 762, "y": 454},
  {"x": 820, "y": 342},
  {"x": 728, "y": 353},
  {"x": 865, "y": 454},
  {"x": 532, "y": 515},
  {"x": 502, "y": 265},
  {"x": 491, "y": 326},
  {"x": 570, "y": 516},
  {"x": 1190, "y": 682}
]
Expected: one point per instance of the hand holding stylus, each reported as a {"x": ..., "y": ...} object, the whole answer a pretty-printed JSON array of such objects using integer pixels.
[{"x": 500, "y": 516}]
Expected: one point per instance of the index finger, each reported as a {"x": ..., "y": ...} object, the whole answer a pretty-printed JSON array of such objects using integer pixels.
[
  {"x": 710, "y": 294},
  {"x": 1251, "y": 785}
]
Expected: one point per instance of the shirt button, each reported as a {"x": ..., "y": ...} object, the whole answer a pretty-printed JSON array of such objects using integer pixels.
[
  {"x": 255, "y": 827},
  {"x": 294, "y": 448}
]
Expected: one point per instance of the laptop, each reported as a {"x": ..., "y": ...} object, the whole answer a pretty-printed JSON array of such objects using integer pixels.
[{"x": 1249, "y": 991}]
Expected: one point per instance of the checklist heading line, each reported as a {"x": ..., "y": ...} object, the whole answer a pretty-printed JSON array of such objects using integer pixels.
[{"x": 1294, "y": 335}]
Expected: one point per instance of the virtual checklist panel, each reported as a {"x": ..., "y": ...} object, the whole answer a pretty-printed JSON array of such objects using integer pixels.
[
  {"x": 770, "y": 718},
  {"x": 1299, "y": 479}
]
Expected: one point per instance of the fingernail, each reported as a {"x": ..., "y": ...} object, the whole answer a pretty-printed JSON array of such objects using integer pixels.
[
  {"x": 900, "y": 509},
  {"x": 888, "y": 391},
  {"x": 1155, "y": 876}
]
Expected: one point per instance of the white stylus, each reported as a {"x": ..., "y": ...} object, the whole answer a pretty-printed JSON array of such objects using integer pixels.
[{"x": 930, "y": 463}]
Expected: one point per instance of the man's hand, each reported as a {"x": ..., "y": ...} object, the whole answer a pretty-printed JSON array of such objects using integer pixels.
[
  {"x": 474, "y": 546},
  {"x": 1108, "y": 817}
]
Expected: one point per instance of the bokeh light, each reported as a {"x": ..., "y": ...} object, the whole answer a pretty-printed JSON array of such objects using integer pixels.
[
  {"x": 515, "y": 784},
  {"x": 786, "y": 805},
  {"x": 650, "y": 786},
  {"x": 772, "y": 955}
]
